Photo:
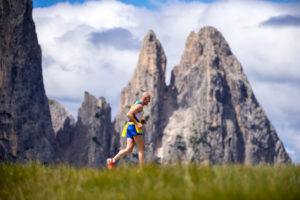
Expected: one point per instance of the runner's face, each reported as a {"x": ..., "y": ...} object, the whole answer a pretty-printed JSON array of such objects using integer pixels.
[{"x": 147, "y": 100}]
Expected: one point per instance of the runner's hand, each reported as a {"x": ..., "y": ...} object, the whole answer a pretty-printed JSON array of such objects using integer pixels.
[{"x": 140, "y": 126}]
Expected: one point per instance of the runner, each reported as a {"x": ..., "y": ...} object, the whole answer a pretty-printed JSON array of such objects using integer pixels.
[{"x": 133, "y": 131}]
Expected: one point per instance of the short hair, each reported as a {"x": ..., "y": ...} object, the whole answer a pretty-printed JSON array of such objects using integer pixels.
[{"x": 146, "y": 94}]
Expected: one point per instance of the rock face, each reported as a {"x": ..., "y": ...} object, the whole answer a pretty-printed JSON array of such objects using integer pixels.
[
  {"x": 149, "y": 75},
  {"x": 208, "y": 113},
  {"x": 25, "y": 124},
  {"x": 59, "y": 116},
  {"x": 89, "y": 142},
  {"x": 216, "y": 117},
  {"x": 64, "y": 129}
]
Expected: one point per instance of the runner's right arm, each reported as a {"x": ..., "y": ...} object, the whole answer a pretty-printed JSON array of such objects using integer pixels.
[{"x": 137, "y": 108}]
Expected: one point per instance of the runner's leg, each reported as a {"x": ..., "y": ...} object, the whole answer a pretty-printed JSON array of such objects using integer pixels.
[
  {"x": 128, "y": 149},
  {"x": 139, "y": 140}
]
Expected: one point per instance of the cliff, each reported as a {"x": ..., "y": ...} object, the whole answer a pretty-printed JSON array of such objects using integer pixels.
[
  {"x": 25, "y": 125},
  {"x": 216, "y": 117}
]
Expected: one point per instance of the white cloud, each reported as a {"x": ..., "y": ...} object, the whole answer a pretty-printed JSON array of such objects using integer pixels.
[
  {"x": 290, "y": 151},
  {"x": 79, "y": 53}
]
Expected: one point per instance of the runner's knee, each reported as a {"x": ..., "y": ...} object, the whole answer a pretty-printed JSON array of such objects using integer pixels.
[
  {"x": 129, "y": 150},
  {"x": 142, "y": 148}
]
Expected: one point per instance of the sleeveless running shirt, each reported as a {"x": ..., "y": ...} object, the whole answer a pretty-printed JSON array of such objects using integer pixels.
[{"x": 138, "y": 115}]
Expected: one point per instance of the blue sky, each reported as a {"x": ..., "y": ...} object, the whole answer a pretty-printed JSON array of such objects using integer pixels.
[
  {"x": 46, "y": 3},
  {"x": 148, "y": 4}
]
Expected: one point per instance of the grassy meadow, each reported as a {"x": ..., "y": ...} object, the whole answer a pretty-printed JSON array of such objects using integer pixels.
[{"x": 36, "y": 181}]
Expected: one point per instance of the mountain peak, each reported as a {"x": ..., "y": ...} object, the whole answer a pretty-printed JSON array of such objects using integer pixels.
[
  {"x": 219, "y": 119},
  {"x": 215, "y": 40},
  {"x": 150, "y": 37},
  {"x": 207, "y": 42},
  {"x": 152, "y": 58},
  {"x": 208, "y": 29}
]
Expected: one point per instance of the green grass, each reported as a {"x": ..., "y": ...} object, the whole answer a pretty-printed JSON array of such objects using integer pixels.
[{"x": 35, "y": 181}]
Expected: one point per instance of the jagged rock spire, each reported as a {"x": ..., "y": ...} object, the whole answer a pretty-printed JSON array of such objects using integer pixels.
[
  {"x": 90, "y": 142},
  {"x": 218, "y": 118}
]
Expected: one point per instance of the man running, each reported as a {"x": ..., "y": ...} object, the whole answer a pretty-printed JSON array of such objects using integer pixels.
[{"x": 133, "y": 131}]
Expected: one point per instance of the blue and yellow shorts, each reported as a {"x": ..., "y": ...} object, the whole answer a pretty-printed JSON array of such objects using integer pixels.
[{"x": 131, "y": 130}]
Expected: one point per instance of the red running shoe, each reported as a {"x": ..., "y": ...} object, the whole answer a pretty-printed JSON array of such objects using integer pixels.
[{"x": 110, "y": 163}]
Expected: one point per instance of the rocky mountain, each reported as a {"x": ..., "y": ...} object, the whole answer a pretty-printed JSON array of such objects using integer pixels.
[
  {"x": 208, "y": 113},
  {"x": 149, "y": 75},
  {"x": 89, "y": 142},
  {"x": 216, "y": 117},
  {"x": 25, "y": 124},
  {"x": 59, "y": 116}
]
